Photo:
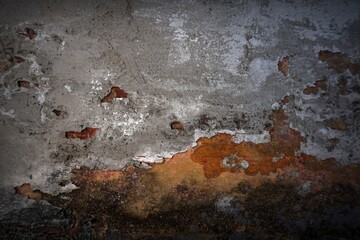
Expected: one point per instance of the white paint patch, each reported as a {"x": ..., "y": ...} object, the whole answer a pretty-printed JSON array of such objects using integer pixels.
[
  {"x": 152, "y": 154},
  {"x": 238, "y": 136},
  {"x": 93, "y": 161},
  {"x": 108, "y": 76},
  {"x": 242, "y": 136},
  {"x": 68, "y": 88},
  {"x": 235, "y": 50},
  {"x": 62, "y": 46},
  {"x": 244, "y": 164},
  {"x": 147, "y": 154},
  {"x": 40, "y": 35},
  {"x": 227, "y": 161},
  {"x": 68, "y": 188},
  {"x": 96, "y": 85},
  {"x": 43, "y": 116},
  {"x": 10, "y": 113},
  {"x": 7, "y": 94},
  {"x": 34, "y": 68},
  {"x": 179, "y": 52},
  {"x": 183, "y": 108},
  {"x": 40, "y": 94},
  {"x": 98, "y": 77},
  {"x": 131, "y": 124},
  {"x": 260, "y": 69},
  {"x": 275, "y": 106},
  {"x": 126, "y": 124},
  {"x": 276, "y": 159}
]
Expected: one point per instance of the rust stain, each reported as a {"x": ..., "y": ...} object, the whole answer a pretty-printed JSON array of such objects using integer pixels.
[
  {"x": 338, "y": 61},
  {"x": 184, "y": 180},
  {"x": 97, "y": 175},
  {"x": 195, "y": 178},
  {"x": 84, "y": 134},
  {"x": 283, "y": 65},
  {"x": 263, "y": 157},
  {"x": 198, "y": 175},
  {"x": 115, "y": 92},
  {"x": 325, "y": 173},
  {"x": 216, "y": 166},
  {"x": 210, "y": 153}
]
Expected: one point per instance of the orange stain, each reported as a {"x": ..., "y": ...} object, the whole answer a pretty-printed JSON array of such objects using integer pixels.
[
  {"x": 26, "y": 190},
  {"x": 98, "y": 175},
  {"x": 210, "y": 153},
  {"x": 263, "y": 157}
]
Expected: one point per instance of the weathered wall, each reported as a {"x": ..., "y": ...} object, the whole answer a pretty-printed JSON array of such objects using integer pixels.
[{"x": 208, "y": 67}]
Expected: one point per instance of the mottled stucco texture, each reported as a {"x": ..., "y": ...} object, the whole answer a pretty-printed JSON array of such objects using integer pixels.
[{"x": 186, "y": 119}]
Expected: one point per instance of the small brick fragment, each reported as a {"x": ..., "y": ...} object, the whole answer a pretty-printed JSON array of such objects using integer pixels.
[
  {"x": 83, "y": 135},
  {"x": 335, "y": 60},
  {"x": 337, "y": 124},
  {"x": 30, "y": 33},
  {"x": 321, "y": 84},
  {"x": 115, "y": 92},
  {"x": 204, "y": 120},
  {"x": 17, "y": 59},
  {"x": 283, "y": 65},
  {"x": 311, "y": 90},
  {"x": 26, "y": 190},
  {"x": 176, "y": 125},
  {"x": 287, "y": 99},
  {"x": 24, "y": 84},
  {"x": 57, "y": 112}
]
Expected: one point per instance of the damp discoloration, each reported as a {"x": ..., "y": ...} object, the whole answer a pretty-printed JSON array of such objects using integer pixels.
[{"x": 167, "y": 199}]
